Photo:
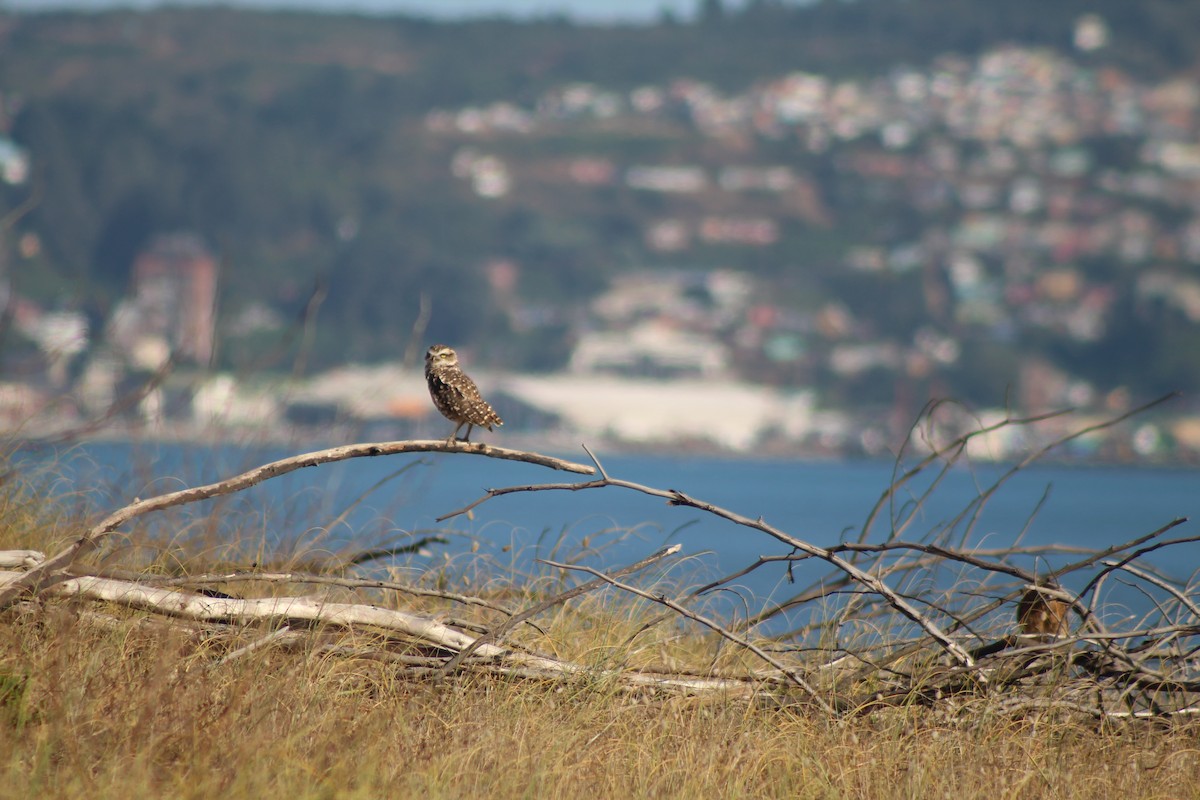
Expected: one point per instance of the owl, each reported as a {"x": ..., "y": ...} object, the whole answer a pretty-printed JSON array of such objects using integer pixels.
[
  {"x": 456, "y": 395},
  {"x": 1041, "y": 615}
]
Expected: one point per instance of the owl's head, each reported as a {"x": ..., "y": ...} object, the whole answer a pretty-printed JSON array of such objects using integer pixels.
[{"x": 441, "y": 355}]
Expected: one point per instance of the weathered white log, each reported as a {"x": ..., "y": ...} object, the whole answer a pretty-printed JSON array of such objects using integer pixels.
[
  {"x": 21, "y": 559},
  {"x": 225, "y": 609},
  {"x": 186, "y": 605}
]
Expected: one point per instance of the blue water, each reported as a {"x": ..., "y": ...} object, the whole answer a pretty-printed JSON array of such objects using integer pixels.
[{"x": 377, "y": 502}]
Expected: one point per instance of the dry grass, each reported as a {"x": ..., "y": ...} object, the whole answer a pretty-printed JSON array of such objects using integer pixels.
[
  {"x": 140, "y": 709},
  {"x": 101, "y": 702}
]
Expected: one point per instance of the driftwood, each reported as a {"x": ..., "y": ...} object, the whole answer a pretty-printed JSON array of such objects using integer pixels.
[
  {"x": 415, "y": 628},
  {"x": 187, "y": 605},
  {"x": 21, "y": 559},
  {"x": 873, "y": 636},
  {"x": 327, "y": 580}
]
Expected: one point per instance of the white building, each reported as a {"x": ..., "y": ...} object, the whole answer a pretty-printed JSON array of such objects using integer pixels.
[
  {"x": 736, "y": 416},
  {"x": 650, "y": 349}
]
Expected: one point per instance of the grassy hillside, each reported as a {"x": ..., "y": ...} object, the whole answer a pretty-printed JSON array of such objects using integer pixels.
[{"x": 294, "y": 143}]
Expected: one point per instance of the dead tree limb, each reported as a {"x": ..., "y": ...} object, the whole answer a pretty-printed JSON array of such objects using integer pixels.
[
  {"x": 325, "y": 580},
  {"x": 33, "y": 581},
  {"x": 21, "y": 559},
  {"x": 288, "y": 610},
  {"x": 629, "y": 681},
  {"x": 187, "y": 605}
]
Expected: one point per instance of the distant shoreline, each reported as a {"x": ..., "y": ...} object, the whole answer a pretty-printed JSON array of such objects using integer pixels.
[{"x": 563, "y": 445}]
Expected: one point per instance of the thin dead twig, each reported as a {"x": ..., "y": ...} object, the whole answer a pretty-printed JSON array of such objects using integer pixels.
[
  {"x": 1154, "y": 580},
  {"x": 957, "y": 446},
  {"x": 661, "y": 599},
  {"x": 504, "y": 629},
  {"x": 276, "y": 637},
  {"x": 677, "y": 498},
  {"x": 1141, "y": 551}
]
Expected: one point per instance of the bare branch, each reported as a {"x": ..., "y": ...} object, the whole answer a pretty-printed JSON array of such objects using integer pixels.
[
  {"x": 273, "y": 638},
  {"x": 328, "y": 580},
  {"x": 677, "y": 498},
  {"x": 36, "y": 578},
  {"x": 955, "y": 447},
  {"x": 539, "y": 487},
  {"x": 21, "y": 559},
  {"x": 503, "y": 630},
  {"x": 1183, "y": 599},
  {"x": 684, "y": 611}
]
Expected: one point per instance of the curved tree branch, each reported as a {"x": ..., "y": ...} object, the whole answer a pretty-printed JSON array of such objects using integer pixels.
[{"x": 33, "y": 581}]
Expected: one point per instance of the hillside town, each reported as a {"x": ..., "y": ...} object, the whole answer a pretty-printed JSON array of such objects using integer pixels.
[
  {"x": 1050, "y": 195},
  {"x": 642, "y": 382}
]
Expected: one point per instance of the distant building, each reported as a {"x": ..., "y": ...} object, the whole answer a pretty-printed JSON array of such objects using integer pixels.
[
  {"x": 14, "y": 162},
  {"x": 1091, "y": 32},
  {"x": 687, "y": 179},
  {"x": 650, "y": 349},
  {"x": 681, "y": 412},
  {"x": 174, "y": 299}
]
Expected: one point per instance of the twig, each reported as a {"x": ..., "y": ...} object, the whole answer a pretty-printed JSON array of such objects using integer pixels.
[
  {"x": 308, "y": 322},
  {"x": 1183, "y": 599},
  {"x": 537, "y": 487},
  {"x": 367, "y": 556},
  {"x": 345, "y": 512},
  {"x": 1141, "y": 551},
  {"x": 956, "y": 446},
  {"x": 677, "y": 498},
  {"x": 683, "y": 611},
  {"x": 271, "y": 638},
  {"x": 424, "y": 313},
  {"x": 119, "y": 406},
  {"x": 503, "y": 630}
]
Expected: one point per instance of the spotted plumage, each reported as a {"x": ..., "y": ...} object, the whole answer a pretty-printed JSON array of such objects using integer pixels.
[{"x": 454, "y": 394}]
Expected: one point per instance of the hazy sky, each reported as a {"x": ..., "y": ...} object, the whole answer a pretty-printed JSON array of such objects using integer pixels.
[{"x": 590, "y": 10}]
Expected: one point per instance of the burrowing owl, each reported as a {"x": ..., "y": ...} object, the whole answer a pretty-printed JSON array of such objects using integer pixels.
[
  {"x": 1042, "y": 615},
  {"x": 456, "y": 395}
]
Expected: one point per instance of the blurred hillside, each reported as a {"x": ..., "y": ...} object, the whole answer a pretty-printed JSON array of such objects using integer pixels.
[{"x": 883, "y": 200}]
